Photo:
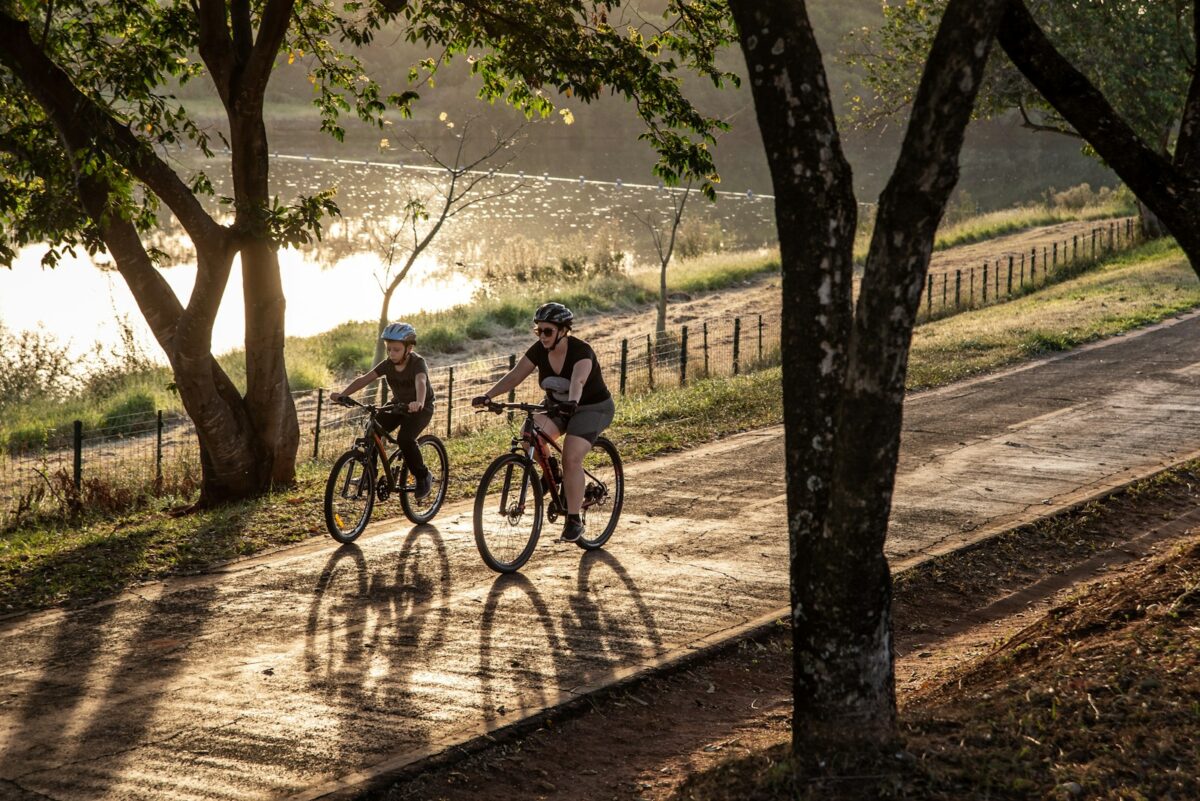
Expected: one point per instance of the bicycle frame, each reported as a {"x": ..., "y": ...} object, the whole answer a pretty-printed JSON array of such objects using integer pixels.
[
  {"x": 374, "y": 439},
  {"x": 533, "y": 443}
]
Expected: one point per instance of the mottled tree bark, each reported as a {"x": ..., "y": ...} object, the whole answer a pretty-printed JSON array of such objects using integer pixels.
[
  {"x": 844, "y": 367},
  {"x": 1168, "y": 186}
]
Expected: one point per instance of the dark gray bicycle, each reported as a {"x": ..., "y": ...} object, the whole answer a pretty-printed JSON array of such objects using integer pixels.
[
  {"x": 368, "y": 473},
  {"x": 512, "y": 496}
]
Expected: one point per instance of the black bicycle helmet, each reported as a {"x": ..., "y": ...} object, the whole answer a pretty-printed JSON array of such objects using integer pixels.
[{"x": 554, "y": 313}]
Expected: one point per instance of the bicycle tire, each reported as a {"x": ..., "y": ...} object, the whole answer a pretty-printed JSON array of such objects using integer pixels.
[
  {"x": 507, "y": 528},
  {"x": 606, "y": 469},
  {"x": 349, "y": 496},
  {"x": 438, "y": 461}
]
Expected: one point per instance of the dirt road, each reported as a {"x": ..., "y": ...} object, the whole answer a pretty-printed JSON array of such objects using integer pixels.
[{"x": 308, "y": 671}]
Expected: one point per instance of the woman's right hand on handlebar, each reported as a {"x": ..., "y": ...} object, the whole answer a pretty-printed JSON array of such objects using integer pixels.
[{"x": 481, "y": 401}]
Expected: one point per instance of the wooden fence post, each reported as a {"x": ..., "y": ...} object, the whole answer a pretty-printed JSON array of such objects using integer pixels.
[
  {"x": 1010, "y": 271},
  {"x": 957, "y": 288},
  {"x": 512, "y": 393},
  {"x": 683, "y": 356},
  {"x": 624, "y": 363},
  {"x": 705, "y": 330},
  {"x": 450, "y": 403},
  {"x": 158, "y": 442},
  {"x": 650, "y": 360},
  {"x": 737, "y": 341},
  {"x": 316, "y": 427},
  {"x": 78, "y": 461},
  {"x": 760, "y": 330}
]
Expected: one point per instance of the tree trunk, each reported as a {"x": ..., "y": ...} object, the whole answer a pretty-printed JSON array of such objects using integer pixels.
[
  {"x": 844, "y": 372},
  {"x": 660, "y": 324},
  {"x": 1149, "y": 223},
  {"x": 815, "y": 214},
  {"x": 380, "y": 348},
  {"x": 271, "y": 410}
]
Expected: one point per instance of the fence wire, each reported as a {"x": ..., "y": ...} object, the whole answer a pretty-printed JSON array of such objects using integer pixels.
[{"x": 157, "y": 454}]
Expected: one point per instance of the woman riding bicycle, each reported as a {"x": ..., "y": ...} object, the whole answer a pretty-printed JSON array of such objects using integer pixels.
[
  {"x": 408, "y": 376},
  {"x": 583, "y": 406}
]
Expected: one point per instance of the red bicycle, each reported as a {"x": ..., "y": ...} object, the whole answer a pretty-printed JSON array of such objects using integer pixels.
[{"x": 512, "y": 496}]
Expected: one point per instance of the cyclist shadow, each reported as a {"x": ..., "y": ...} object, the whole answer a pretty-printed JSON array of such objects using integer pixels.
[
  {"x": 528, "y": 654},
  {"x": 609, "y": 624},
  {"x": 518, "y": 648},
  {"x": 368, "y": 627}
]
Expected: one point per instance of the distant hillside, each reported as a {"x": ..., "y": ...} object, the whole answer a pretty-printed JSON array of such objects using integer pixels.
[{"x": 1002, "y": 165}]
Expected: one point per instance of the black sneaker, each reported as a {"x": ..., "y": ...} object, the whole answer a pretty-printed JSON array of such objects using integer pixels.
[
  {"x": 572, "y": 530},
  {"x": 424, "y": 485}
]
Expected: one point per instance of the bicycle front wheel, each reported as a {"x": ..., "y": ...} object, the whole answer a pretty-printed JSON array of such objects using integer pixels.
[
  {"x": 603, "y": 493},
  {"x": 437, "y": 461},
  {"x": 508, "y": 513},
  {"x": 349, "y": 496}
]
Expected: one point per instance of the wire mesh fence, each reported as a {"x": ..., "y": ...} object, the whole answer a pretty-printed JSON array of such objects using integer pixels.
[
  {"x": 1002, "y": 277},
  {"x": 157, "y": 454}
]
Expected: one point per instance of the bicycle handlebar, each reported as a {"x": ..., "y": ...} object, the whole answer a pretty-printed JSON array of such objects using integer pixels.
[
  {"x": 350, "y": 403},
  {"x": 496, "y": 407}
]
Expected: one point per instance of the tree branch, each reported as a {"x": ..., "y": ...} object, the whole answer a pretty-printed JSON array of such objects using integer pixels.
[
  {"x": 216, "y": 46},
  {"x": 1072, "y": 94},
  {"x": 1187, "y": 147},
  {"x": 84, "y": 125}
]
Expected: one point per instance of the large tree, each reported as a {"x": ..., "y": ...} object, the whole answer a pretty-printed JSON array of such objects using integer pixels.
[
  {"x": 844, "y": 360},
  {"x": 88, "y": 120},
  {"x": 1120, "y": 75}
]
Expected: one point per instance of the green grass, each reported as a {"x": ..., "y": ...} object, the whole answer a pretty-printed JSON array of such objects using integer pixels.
[
  {"x": 1139, "y": 287},
  {"x": 71, "y": 562},
  {"x": 322, "y": 359}
]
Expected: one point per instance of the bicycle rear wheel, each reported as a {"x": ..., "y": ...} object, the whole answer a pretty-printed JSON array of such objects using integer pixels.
[
  {"x": 349, "y": 496},
  {"x": 433, "y": 453},
  {"x": 508, "y": 513},
  {"x": 603, "y": 493}
]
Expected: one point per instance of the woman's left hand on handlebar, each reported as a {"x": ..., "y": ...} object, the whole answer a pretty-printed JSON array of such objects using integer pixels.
[{"x": 415, "y": 407}]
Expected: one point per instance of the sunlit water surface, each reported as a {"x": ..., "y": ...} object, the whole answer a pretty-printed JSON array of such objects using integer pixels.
[{"x": 528, "y": 219}]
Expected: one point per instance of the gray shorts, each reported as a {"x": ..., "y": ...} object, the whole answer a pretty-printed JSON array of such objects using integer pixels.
[{"x": 588, "y": 421}]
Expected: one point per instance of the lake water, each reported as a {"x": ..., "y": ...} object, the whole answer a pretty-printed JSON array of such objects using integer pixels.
[
  {"x": 532, "y": 219},
  {"x": 536, "y": 216}
]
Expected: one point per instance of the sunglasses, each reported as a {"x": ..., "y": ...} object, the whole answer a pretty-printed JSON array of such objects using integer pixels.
[{"x": 545, "y": 332}]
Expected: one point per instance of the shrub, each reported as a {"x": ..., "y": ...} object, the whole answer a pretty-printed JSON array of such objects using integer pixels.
[
  {"x": 33, "y": 366},
  {"x": 306, "y": 375},
  {"x": 351, "y": 356},
  {"x": 131, "y": 412},
  {"x": 696, "y": 238}
]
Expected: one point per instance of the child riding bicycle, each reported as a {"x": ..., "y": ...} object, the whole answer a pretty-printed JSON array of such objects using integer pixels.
[{"x": 407, "y": 375}]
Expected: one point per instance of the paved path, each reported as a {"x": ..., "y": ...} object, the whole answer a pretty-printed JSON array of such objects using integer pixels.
[{"x": 296, "y": 674}]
